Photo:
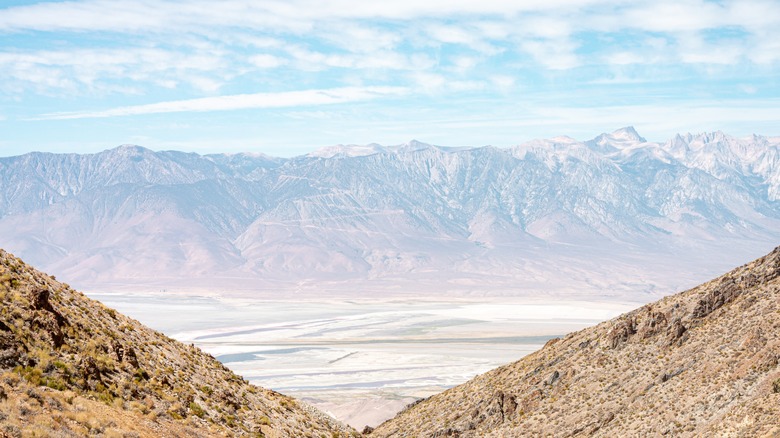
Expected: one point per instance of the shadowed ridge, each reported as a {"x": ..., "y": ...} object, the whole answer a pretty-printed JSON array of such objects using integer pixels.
[{"x": 703, "y": 362}]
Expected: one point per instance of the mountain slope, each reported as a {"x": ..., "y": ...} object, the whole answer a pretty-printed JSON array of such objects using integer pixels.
[
  {"x": 70, "y": 366},
  {"x": 703, "y": 362},
  {"x": 446, "y": 219}
]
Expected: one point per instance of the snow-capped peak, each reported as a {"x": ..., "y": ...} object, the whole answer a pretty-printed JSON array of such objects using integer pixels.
[
  {"x": 129, "y": 150},
  {"x": 351, "y": 150},
  {"x": 628, "y": 133},
  {"x": 410, "y": 146},
  {"x": 621, "y": 139}
]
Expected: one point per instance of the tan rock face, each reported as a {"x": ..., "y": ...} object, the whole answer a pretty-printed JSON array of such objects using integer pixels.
[
  {"x": 70, "y": 366},
  {"x": 703, "y": 362}
]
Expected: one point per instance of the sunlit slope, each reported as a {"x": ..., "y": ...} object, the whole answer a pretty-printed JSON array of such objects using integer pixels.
[
  {"x": 73, "y": 367},
  {"x": 703, "y": 362}
]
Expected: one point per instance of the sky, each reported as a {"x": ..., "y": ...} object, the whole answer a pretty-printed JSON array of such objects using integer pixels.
[{"x": 287, "y": 77}]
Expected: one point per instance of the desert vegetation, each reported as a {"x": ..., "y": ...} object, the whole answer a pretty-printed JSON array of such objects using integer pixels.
[
  {"x": 73, "y": 367},
  {"x": 700, "y": 363}
]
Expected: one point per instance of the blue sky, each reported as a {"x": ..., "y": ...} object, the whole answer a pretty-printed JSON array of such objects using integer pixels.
[{"x": 287, "y": 77}]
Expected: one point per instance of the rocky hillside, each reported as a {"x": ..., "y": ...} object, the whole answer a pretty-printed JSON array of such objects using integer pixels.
[
  {"x": 70, "y": 366},
  {"x": 700, "y": 363}
]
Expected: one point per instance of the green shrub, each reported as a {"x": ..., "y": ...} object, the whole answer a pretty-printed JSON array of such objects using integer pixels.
[
  {"x": 30, "y": 374},
  {"x": 140, "y": 374},
  {"x": 54, "y": 383},
  {"x": 197, "y": 410}
]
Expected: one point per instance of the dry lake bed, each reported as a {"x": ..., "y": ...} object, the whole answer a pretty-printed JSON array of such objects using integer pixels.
[{"x": 361, "y": 361}]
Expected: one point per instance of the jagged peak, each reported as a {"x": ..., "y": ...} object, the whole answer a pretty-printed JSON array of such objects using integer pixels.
[
  {"x": 129, "y": 151},
  {"x": 349, "y": 150},
  {"x": 756, "y": 138},
  {"x": 416, "y": 146},
  {"x": 616, "y": 140},
  {"x": 130, "y": 147},
  {"x": 703, "y": 137},
  {"x": 412, "y": 146},
  {"x": 253, "y": 155},
  {"x": 710, "y": 142},
  {"x": 628, "y": 133},
  {"x": 564, "y": 140}
]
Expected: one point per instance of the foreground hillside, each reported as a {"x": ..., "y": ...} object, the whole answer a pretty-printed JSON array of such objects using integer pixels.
[
  {"x": 703, "y": 362},
  {"x": 70, "y": 366}
]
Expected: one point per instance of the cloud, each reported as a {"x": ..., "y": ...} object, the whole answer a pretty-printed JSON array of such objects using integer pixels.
[
  {"x": 360, "y": 37},
  {"x": 747, "y": 88},
  {"x": 625, "y": 58},
  {"x": 553, "y": 54},
  {"x": 311, "y": 60},
  {"x": 370, "y": 26},
  {"x": 150, "y": 48},
  {"x": 102, "y": 68},
  {"x": 428, "y": 82},
  {"x": 503, "y": 82},
  {"x": 159, "y": 15},
  {"x": 356, "y": 21},
  {"x": 544, "y": 120},
  {"x": 765, "y": 48},
  {"x": 543, "y": 18},
  {"x": 240, "y": 102},
  {"x": 266, "y": 61},
  {"x": 461, "y": 35},
  {"x": 464, "y": 63}
]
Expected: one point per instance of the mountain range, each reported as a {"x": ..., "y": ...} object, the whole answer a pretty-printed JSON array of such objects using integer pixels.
[{"x": 615, "y": 215}]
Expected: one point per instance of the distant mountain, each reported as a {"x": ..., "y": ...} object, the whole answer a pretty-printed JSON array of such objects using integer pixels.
[
  {"x": 613, "y": 216},
  {"x": 72, "y": 367},
  {"x": 700, "y": 363}
]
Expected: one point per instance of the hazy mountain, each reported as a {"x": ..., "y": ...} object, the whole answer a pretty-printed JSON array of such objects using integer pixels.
[
  {"x": 700, "y": 363},
  {"x": 72, "y": 367},
  {"x": 612, "y": 215}
]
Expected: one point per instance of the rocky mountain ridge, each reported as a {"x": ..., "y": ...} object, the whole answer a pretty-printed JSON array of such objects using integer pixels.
[
  {"x": 703, "y": 362},
  {"x": 443, "y": 218},
  {"x": 69, "y": 366}
]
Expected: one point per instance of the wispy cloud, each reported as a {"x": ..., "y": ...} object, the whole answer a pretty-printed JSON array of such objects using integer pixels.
[
  {"x": 102, "y": 68},
  {"x": 552, "y": 54},
  {"x": 136, "y": 57},
  {"x": 204, "y": 46},
  {"x": 161, "y": 15},
  {"x": 239, "y": 102}
]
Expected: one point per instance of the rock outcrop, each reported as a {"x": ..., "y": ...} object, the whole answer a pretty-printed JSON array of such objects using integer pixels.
[
  {"x": 70, "y": 366},
  {"x": 703, "y": 362}
]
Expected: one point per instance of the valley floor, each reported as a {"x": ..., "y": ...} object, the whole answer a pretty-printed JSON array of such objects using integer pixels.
[{"x": 362, "y": 361}]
